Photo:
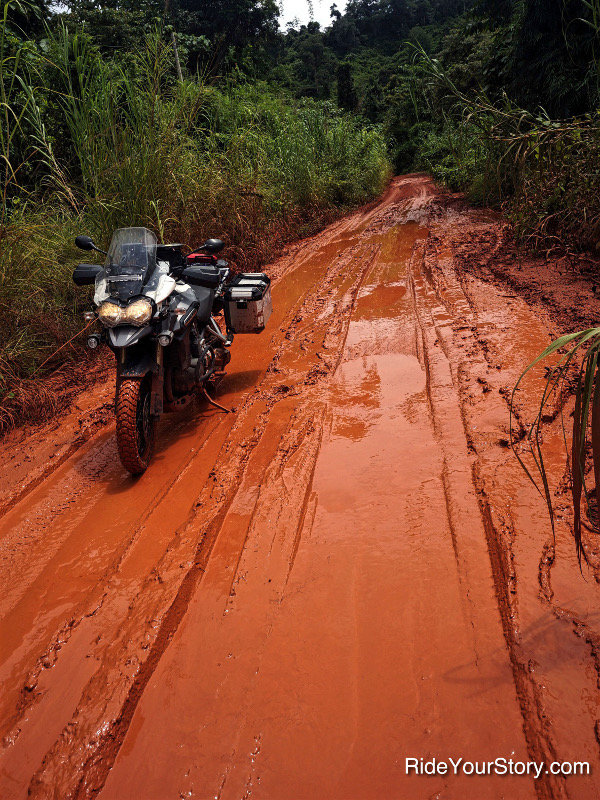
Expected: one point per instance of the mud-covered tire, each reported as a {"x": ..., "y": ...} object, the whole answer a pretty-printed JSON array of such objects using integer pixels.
[{"x": 136, "y": 427}]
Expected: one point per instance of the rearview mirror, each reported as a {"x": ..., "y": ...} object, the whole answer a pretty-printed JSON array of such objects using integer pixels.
[
  {"x": 85, "y": 243},
  {"x": 212, "y": 246}
]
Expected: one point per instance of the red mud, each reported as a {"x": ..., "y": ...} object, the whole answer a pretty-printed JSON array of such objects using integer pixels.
[{"x": 349, "y": 570}]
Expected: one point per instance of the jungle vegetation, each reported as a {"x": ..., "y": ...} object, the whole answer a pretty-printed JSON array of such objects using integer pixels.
[{"x": 198, "y": 118}]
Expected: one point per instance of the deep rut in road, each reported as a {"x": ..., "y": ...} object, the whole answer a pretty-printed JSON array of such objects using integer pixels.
[{"x": 348, "y": 570}]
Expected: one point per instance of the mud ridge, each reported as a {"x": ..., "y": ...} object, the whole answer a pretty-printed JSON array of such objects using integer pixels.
[{"x": 537, "y": 722}]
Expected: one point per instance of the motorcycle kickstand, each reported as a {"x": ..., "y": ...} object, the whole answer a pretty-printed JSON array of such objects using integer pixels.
[{"x": 214, "y": 402}]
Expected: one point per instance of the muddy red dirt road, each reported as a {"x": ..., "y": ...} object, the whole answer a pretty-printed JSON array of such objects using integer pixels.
[{"x": 348, "y": 571}]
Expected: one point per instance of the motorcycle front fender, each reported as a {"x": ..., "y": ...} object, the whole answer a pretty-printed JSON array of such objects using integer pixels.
[
  {"x": 137, "y": 365},
  {"x": 139, "y": 360}
]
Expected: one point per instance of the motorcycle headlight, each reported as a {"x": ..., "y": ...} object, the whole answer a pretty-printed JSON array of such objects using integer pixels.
[
  {"x": 138, "y": 313},
  {"x": 110, "y": 314}
]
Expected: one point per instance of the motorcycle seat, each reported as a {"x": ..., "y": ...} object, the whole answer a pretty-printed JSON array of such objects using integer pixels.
[{"x": 212, "y": 246}]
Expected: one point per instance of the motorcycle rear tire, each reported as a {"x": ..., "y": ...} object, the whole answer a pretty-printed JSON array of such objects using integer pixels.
[{"x": 136, "y": 426}]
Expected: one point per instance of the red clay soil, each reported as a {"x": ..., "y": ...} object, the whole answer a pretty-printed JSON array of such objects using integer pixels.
[{"x": 349, "y": 570}]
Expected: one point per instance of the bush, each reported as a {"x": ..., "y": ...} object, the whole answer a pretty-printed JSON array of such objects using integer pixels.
[
  {"x": 543, "y": 171},
  {"x": 459, "y": 158}
]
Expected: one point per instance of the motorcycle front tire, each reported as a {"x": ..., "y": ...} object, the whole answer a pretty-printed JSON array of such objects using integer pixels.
[{"x": 136, "y": 426}]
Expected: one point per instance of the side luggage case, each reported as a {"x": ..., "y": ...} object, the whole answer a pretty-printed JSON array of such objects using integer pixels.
[{"x": 248, "y": 302}]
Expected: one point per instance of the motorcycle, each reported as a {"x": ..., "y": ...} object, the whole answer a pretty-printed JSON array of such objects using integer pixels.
[{"x": 161, "y": 313}]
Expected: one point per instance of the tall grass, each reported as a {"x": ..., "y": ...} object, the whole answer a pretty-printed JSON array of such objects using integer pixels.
[
  {"x": 544, "y": 171},
  {"x": 461, "y": 159},
  {"x": 180, "y": 156},
  {"x": 116, "y": 145}
]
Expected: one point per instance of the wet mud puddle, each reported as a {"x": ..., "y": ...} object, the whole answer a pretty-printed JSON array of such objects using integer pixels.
[{"x": 295, "y": 597}]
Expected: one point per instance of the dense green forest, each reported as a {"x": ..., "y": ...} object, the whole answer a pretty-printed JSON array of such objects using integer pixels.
[{"x": 199, "y": 118}]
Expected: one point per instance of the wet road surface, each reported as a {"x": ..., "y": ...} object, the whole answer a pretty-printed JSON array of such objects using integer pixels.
[{"x": 296, "y": 597}]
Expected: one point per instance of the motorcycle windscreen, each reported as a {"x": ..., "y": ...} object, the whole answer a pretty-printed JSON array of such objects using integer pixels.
[{"x": 131, "y": 260}]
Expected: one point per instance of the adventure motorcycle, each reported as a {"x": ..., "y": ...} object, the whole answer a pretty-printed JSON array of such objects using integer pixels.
[{"x": 157, "y": 310}]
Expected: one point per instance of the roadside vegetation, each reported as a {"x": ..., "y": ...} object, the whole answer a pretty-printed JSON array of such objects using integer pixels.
[
  {"x": 91, "y": 142},
  {"x": 496, "y": 98}
]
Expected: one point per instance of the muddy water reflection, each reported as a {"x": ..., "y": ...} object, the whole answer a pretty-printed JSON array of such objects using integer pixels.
[{"x": 334, "y": 616}]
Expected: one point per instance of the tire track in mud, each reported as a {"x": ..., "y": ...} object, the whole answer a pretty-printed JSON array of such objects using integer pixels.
[
  {"x": 237, "y": 491},
  {"x": 92, "y": 605},
  {"x": 100, "y": 413},
  {"x": 452, "y": 290},
  {"x": 537, "y": 730},
  {"x": 570, "y": 611},
  {"x": 90, "y": 757},
  {"x": 434, "y": 303}
]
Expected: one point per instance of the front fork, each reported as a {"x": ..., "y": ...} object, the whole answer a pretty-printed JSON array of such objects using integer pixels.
[
  {"x": 158, "y": 383},
  {"x": 139, "y": 367}
]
